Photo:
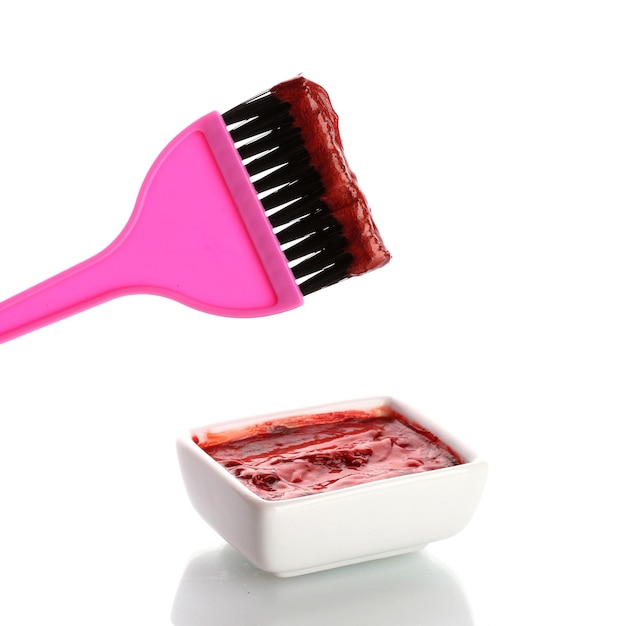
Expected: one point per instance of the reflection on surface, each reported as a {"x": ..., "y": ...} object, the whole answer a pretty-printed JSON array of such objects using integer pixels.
[{"x": 220, "y": 587}]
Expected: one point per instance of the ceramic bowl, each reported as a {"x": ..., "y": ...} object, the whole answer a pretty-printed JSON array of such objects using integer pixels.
[{"x": 332, "y": 528}]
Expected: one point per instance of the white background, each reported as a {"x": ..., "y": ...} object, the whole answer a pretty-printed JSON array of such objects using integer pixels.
[{"x": 490, "y": 141}]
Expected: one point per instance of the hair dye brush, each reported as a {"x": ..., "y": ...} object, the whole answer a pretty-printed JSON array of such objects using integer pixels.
[{"x": 242, "y": 214}]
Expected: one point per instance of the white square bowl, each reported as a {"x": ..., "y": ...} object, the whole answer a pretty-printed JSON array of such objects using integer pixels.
[{"x": 331, "y": 529}]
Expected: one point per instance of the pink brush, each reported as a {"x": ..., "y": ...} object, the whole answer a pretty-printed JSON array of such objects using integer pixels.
[{"x": 240, "y": 215}]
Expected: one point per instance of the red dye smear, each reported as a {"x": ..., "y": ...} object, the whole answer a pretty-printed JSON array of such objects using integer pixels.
[
  {"x": 313, "y": 113},
  {"x": 305, "y": 455}
]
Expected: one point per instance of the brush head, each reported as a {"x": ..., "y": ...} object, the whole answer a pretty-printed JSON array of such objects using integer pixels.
[{"x": 288, "y": 139}]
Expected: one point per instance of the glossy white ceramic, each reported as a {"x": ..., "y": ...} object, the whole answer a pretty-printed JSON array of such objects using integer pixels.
[{"x": 358, "y": 523}]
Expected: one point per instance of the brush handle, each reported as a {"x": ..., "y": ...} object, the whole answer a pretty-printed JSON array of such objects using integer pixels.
[
  {"x": 85, "y": 285},
  {"x": 198, "y": 235}
]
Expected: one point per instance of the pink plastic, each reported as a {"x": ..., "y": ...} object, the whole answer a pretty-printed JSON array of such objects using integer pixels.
[{"x": 198, "y": 235}]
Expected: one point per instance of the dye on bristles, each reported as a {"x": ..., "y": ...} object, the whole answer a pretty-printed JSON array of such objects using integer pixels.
[{"x": 298, "y": 205}]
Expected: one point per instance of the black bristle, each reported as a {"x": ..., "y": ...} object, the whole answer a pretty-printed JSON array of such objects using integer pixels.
[
  {"x": 283, "y": 137},
  {"x": 312, "y": 224},
  {"x": 310, "y": 191},
  {"x": 290, "y": 190}
]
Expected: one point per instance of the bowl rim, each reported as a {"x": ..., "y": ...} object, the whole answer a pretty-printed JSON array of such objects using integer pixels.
[{"x": 471, "y": 458}]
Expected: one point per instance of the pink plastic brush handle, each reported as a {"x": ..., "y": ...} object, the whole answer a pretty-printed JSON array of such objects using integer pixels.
[{"x": 198, "y": 234}]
